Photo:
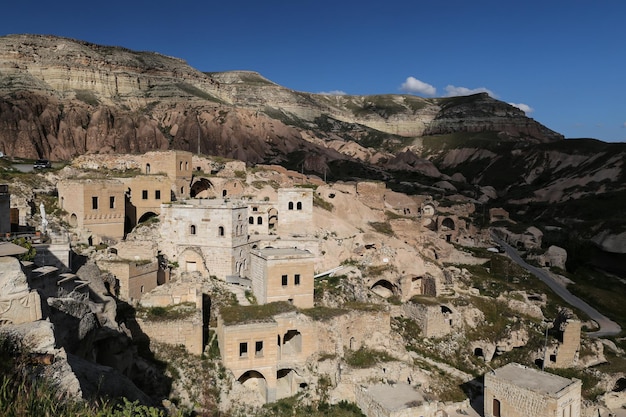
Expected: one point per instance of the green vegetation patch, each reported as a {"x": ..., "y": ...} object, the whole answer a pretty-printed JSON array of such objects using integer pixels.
[
  {"x": 196, "y": 92},
  {"x": 254, "y": 313},
  {"x": 169, "y": 313},
  {"x": 366, "y": 358},
  {"x": 382, "y": 227},
  {"x": 318, "y": 201},
  {"x": 322, "y": 313}
]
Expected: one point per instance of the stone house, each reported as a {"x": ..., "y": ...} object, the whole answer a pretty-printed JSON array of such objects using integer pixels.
[
  {"x": 268, "y": 354},
  {"x": 209, "y": 236},
  {"x": 96, "y": 208},
  {"x": 282, "y": 275},
  {"x": 295, "y": 211},
  {"x": 176, "y": 165},
  {"x": 134, "y": 278},
  {"x": 262, "y": 217},
  {"x": 518, "y": 391},
  {"x": 144, "y": 196}
]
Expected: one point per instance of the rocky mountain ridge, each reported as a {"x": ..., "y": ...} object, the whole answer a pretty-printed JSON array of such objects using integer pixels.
[{"x": 60, "y": 98}]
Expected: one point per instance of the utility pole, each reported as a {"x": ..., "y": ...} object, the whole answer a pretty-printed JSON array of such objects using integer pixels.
[{"x": 198, "y": 122}]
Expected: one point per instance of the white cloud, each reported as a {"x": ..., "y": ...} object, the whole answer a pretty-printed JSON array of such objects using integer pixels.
[
  {"x": 453, "y": 91},
  {"x": 413, "y": 85},
  {"x": 624, "y": 125},
  {"x": 523, "y": 107},
  {"x": 334, "y": 93}
]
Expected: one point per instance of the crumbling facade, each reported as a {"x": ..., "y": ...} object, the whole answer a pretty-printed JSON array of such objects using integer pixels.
[
  {"x": 269, "y": 353},
  {"x": 518, "y": 391}
]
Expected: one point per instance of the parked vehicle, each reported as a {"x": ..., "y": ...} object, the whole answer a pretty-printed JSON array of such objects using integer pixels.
[{"x": 42, "y": 164}]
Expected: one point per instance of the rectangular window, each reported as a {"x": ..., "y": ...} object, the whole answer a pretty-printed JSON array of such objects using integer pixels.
[
  {"x": 296, "y": 279},
  {"x": 243, "y": 349},
  {"x": 157, "y": 194},
  {"x": 112, "y": 202},
  {"x": 144, "y": 195},
  {"x": 94, "y": 203},
  {"x": 258, "y": 348},
  {"x": 284, "y": 280}
]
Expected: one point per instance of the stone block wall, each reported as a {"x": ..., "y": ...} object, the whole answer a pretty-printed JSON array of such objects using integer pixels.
[
  {"x": 94, "y": 206},
  {"x": 187, "y": 332},
  {"x": 433, "y": 320},
  {"x": 295, "y": 211},
  {"x": 283, "y": 275},
  {"x": 353, "y": 330}
]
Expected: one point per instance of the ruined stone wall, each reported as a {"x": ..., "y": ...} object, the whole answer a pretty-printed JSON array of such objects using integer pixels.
[
  {"x": 353, "y": 330},
  {"x": 134, "y": 279},
  {"x": 295, "y": 211},
  {"x": 258, "y": 274},
  {"x": 187, "y": 332},
  {"x": 147, "y": 192},
  {"x": 431, "y": 319},
  {"x": 373, "y": 408},
  {"x": 567, "y": 352}
]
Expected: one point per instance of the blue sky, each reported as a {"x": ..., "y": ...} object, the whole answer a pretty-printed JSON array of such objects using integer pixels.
[{"x": 562, "y": 61}]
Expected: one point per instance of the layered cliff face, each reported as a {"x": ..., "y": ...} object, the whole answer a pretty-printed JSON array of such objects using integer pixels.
[{"x": 61, "y": 97}]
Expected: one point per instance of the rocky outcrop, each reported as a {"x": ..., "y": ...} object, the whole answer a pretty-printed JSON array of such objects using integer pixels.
[{"x": 61, "y": 97}]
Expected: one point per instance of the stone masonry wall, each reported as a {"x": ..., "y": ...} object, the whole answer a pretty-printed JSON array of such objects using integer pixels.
[{"x": 187, "y": 332}]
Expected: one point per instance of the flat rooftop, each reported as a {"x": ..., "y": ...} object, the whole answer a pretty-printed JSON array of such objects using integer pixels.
[
  {"x": 279, "y": 253},
  {"x": 395, "y": 397},
  {"x": 532, "y": 379}
]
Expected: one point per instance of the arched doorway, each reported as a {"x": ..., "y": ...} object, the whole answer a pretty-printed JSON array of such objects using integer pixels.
[
  {"x": 286, "y": 383},
  {"x": 383, "y": 288},
  {"x": 146, "y": 216},
  {"x": 73, "y": 220},
  {"x": 254, "y": 381},
  {"x": 272, "y": 218},
  {"x": 202, "y": 188}
]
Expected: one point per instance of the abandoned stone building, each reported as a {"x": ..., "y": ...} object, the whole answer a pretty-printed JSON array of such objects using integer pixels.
[
  {"x": 435, "y": 320},
  {"x": 144, "y": 195},
  {"x": 268, "y": 355},
  {"x": 176, "y": 165},
  {"x": 281, "y": 274},
  {"x": 209, "y": 236},
  {"x": 95, "y": 208},
  {"x": 518, "y": 391}
]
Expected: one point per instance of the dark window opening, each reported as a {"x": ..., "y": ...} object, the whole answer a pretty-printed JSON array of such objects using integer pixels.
[
  {"x": 258, "y": 348},
  {"x": 250, "y": 220},
  {"x": 296, "y": 279},
  {"x": 291, "y": 205},
  {"x": 112, "y": 202},
  {"x": 221, "y": 231},
  {"x": 94, "y": 203},
  {"x": 192, "y": 229},
  {"x": 259, "y": 220},
  {"x": 243, "y": 349},
  {"x": 157, "y": 194},
  {"x": 284, "y": 280},
  {"x": 144, "y": 194},
  {"x": 299, "y": 206}
]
